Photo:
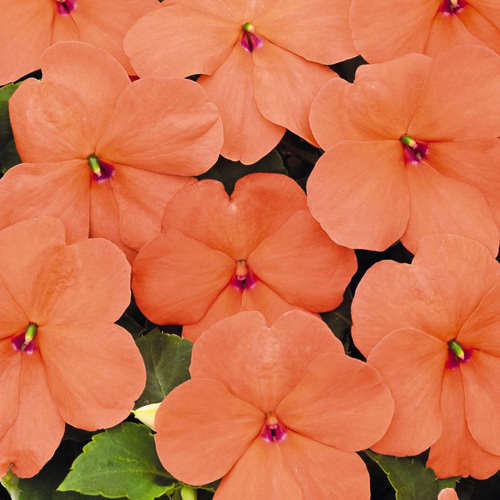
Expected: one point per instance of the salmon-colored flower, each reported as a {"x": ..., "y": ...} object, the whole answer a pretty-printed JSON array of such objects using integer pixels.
[
  {"x": 383, "y": 29},
  {"x": 62, "y": 358},
  {"x": 30, "y": 26},
  {"x": 259, "y": 249},
  {"x": 261, "y": 62},
  {"x": 279, "y": 411},
  {"x": 412, "y": 149},
  {"x": 104, "y": 154},
  {"x": 432, "y": 330},
  {"x": 448, "y": 494}
]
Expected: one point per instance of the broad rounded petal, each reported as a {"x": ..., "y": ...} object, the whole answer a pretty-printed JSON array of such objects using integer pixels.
[
  {"x": 24, "y": 246},
  {"x": 86, "y": 281},
  {"x": 483, "y": 21},
  {"x": 437, "y": 294},
  {"x": 285, "y": 86},
  {"x": 9, "y": 380},
  {"x": 106, "y": 22},
  {"x": 202, "y": 33},
  {"x": 259, "y": 205},
  {"x": 480, "y": 330},
  {"x": 448, "y": 31},
  {"x": 259, "y": 364},
  {"x": 448, "y": 494},
  {"x": 203, "y": 429},
  {"x": 57, "y": 189},
  {"x": 325, "y": 472},
  {"x": 412, "y": 365},
  {"x": 358, "y": 192},
  {"x": 262, "y": 472},
  {"x": 24, "y": 36},
  {"x": 303, "y": 265},
  {"x": 13, "y": 319},
  {"x": 440, "y": 204},
  {"x": 472, "y": 162},
  {"x": 323, "y": 35},
  {"x": 227, "y": 303},
  {"x": 455, "y": 103},
  {"x": 38, "y": 429},
  {"x": 141, "y": 197},
  {"x": 456, "y": 453},
  {"x": 165, "y": 126},
  {"x": 248, "y": 135},
  {"x": 176, "y": 278},
  {"x": 382, "y": 30},
  {"x": 106, "y": 352},
  {"x": 482, "y": 399},
  {"x": 333, "y": 389}
]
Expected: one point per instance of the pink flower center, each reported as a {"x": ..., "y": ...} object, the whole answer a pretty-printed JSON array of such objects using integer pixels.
[
  {"x": 100, "y": 169},
  {"x": 243, "y": 278},
  {"x": 249, "y": 40},
  {"x": 273, "y": 431},
  {"x": 452, "y": 6},
  {"x": 25, "y": 341},
  {"x": 65, "y": 7},
  {"x": 457, "y": 354},
  {"x": 414, "y": 151}
]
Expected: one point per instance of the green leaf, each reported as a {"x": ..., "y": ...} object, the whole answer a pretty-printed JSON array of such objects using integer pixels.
[
  {"x": 228, "y": 172},
  {"x": 120, "y": 462},
  {"x": 167, "y": 358},
  {"x": 410, "y": 479}
]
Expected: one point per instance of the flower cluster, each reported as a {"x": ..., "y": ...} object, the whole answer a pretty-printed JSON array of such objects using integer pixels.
[{"x": 164, "y": 149}]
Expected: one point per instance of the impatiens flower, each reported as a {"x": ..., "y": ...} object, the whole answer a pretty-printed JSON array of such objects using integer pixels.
[
  {"x": 62, "y": 358},
  {"x": 412, "y": 150},
  {"x": 101, "y": 153},
  {"x": 261, "y": 62},
  {"x": 432, "y": 330},
  {"x": 30, "y": 26},
  {"x": 448, "y": 494},
  {"x": 259, "y": 249},
  {"x": 278, "y": 411},
  {"x": 384, "y": 29}
]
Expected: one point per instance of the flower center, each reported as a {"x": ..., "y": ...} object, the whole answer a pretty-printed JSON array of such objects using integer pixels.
[
  {"x": 249, "y": 40},
  {"x": 243, "y": 277},
  {"x": 273, "y": 431},
  {"x": 24, "y": 342},
  {"x": 100, "y": 169},
  {"x": 64, "y": 7},
  {"x": 457, "y": 354},
  {"x": 452, "y": 6},
  {"x": 414, "y": 151}
]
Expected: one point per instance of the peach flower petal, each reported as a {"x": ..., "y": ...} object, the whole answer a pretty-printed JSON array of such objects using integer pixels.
[
  {"x": 325, "y": 472},
  {"x": 217, "y": 430},
  {"x": 456, "y": 453},
  {"x": 285, "y": 86},
  {"x": 483, "y": 21},
  {"x": 38, "y": 429},
  {"x": 382, "y": 31},
  {"x": 24, "y": 188},
  {"x": 73, "y": 284},
  {"x": 412, "y": 363},
  {"x": 110, "y": 355},
  {"x": 448, "y": 494},
  {"x": 165, "y": 126},
  {"x": 482, "y": 399},
  {"x": 203, "y": 33},
  {"x": 263, "y": 473},
  {"x": 305, "y": 35},
  {"x": 363, "y": 404},
  {"x": 166, "y": 270},
  {"x": 237, "y": 224},
  {"x": 279, "y": 262},
  {"x": 454, "y": 103},
  {"x": 280, "y": 354},
  {"x": 248, "y": 135},
  {"x": 380, "y": 200},
  {"x": 462, "y": 209},
  {"x": 9, "y": 380}
]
